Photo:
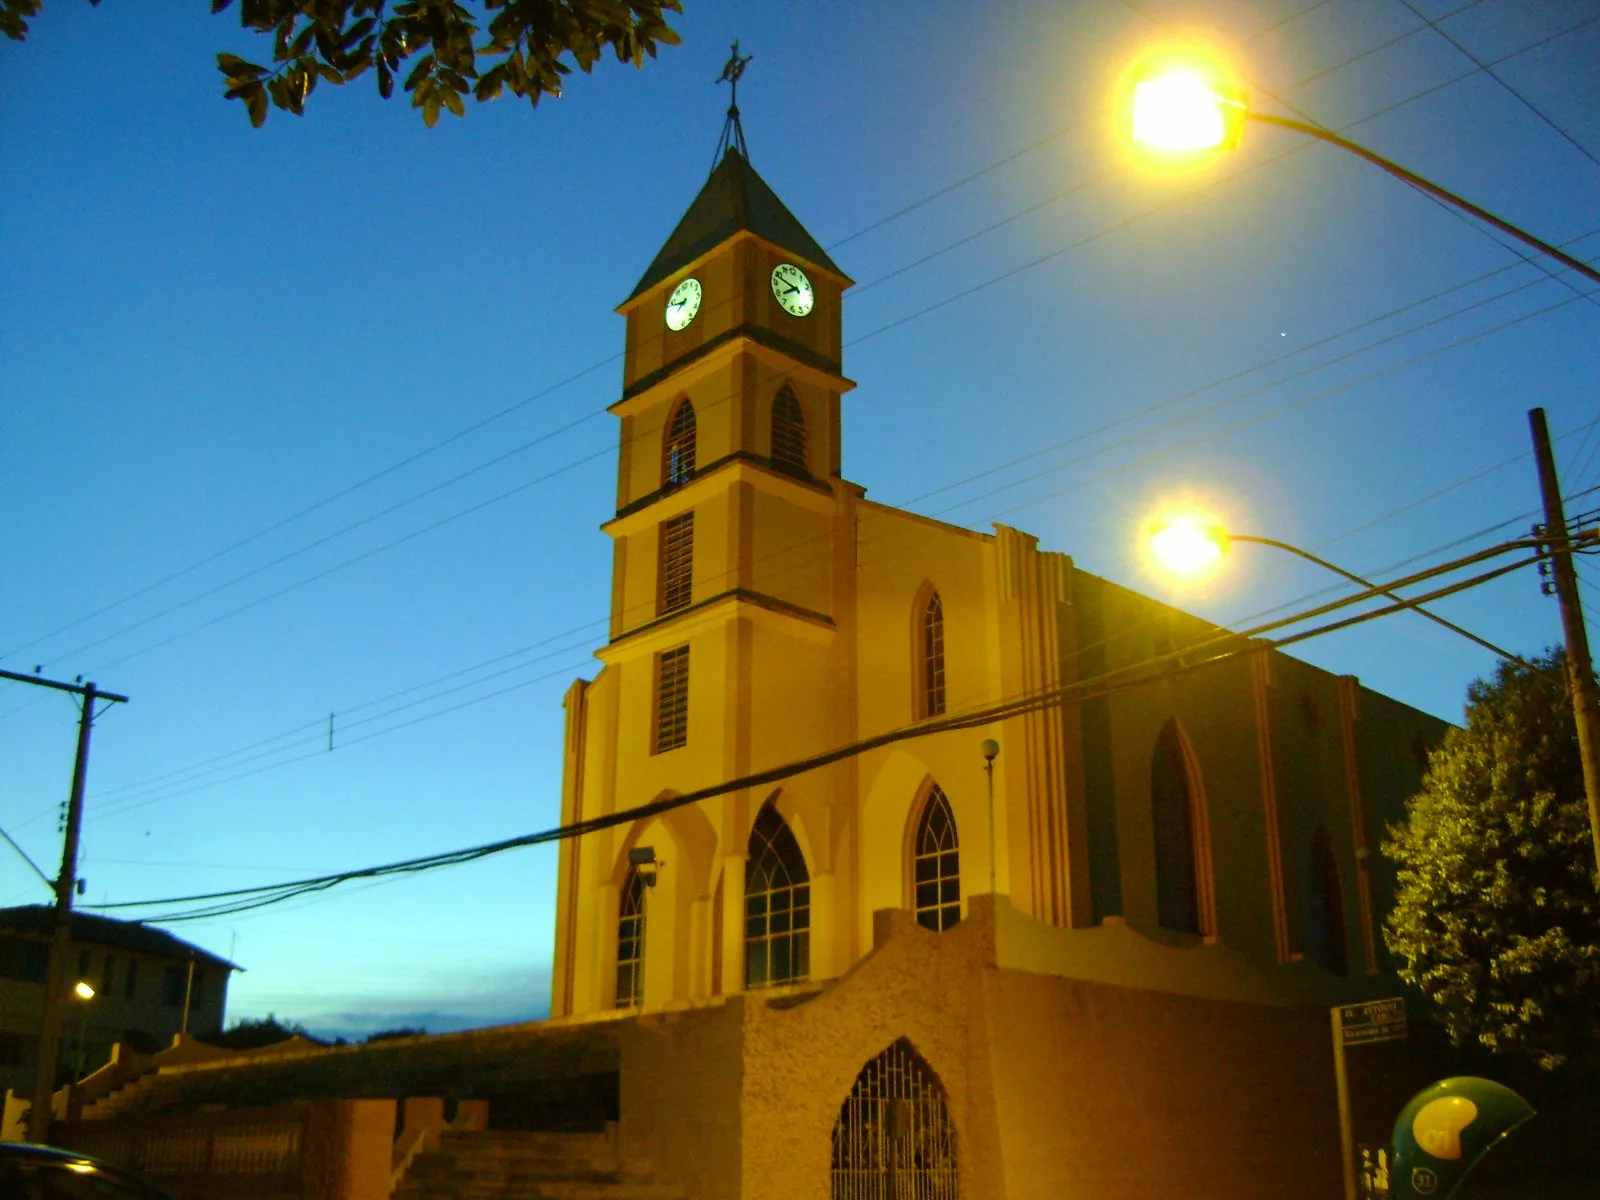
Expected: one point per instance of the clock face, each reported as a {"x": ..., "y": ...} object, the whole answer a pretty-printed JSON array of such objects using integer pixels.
[
  {"x": 683, "y": 304},
  {"x": 792, "y": 289}
]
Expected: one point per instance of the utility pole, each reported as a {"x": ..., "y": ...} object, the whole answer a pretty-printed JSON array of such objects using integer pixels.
[
  {"x": 1580, "y": 667},
  {"x": 56, "y": 973}
]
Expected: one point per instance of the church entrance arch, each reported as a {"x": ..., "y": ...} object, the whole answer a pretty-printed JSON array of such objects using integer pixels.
[{"x": 893, "y": 1139}]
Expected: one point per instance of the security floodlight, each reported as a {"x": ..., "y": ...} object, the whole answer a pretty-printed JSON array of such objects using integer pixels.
[
  {"x": 643, "y": 860},
  {"x": 83, "y": 990}
]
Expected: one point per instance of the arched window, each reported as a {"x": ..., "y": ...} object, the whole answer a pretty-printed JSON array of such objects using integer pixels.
[
  {"x": 935, "y": 865},
  {"x": 930, "y": 679},
  {"x": 1172, "y": 813},
  {"x": 777, "y": 904},
  {"x": 788, "y": 433},
  {"x": 1325, "y": 907},
  {"x": 894, "y": 1136},
  {"x": 630, "y": 942},
  {"x": 678, "y": 468}
]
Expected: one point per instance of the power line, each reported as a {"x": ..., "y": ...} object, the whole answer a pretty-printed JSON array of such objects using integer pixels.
[
  {"x": 161, "y": 785},
  {"x": 549, "y": 435},
  {"x": 164, "y": 792},
  {"x": 1436, "y": 26},
  {"x": 1155, "y": 669}
]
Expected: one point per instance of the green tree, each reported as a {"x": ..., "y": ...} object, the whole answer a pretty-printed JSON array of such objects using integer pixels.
[
  {"x": 1496, "y": 914},
  {"x": 523, "y": 51}
]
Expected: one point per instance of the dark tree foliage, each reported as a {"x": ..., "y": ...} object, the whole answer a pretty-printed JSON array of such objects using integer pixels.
[
  {"x": 400, "y": 1031},
  {"x": 1496, "y": 915},
  {"x": 251, "y": 1032},
  {"x": 453, "y": 50}
]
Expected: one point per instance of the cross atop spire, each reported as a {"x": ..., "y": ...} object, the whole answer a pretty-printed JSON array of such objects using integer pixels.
[{"x": 732, "y": 129}]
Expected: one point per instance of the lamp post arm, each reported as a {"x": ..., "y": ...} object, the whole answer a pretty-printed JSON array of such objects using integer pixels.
[
  {"x": 1433, "y": 189},
  {"x": 1382, "y": 591}
]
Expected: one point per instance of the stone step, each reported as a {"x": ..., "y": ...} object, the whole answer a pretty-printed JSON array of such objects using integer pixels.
[{"x": 502, "y": 1165}]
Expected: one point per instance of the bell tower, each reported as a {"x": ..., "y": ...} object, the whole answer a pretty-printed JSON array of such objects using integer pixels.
[{"x": 732, "y": 540}]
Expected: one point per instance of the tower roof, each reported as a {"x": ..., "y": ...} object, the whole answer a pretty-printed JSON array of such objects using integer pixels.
[{"x": 735, "y": 198}]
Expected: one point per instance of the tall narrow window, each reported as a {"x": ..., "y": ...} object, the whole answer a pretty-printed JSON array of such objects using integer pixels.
[
  {"x": 1326, "y": 907},
  {"x": 788, "y": 434},
  {"x": 931, "y": 680},
  {"x": 678, "y": 467},
  {"x": 777, "y": 905},
  {"x": 935, "y": 865},
  {"x": 630, "y": 942},
  {"x": 1172, "y": 816},
  {"x": 672, "y": 699},
  {"x": 676, "y": 563},
  {"x": 130, "y": 979}
]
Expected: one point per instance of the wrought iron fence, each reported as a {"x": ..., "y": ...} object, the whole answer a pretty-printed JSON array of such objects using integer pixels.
[{"x": 893, "y": 1139}]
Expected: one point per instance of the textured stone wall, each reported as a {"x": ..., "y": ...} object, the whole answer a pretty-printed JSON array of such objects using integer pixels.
[
  {"x": 1057, "y": 1087},
  {"x": 679, "y": 1111}
]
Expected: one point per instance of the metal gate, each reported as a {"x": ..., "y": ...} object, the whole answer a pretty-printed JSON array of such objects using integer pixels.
[{"x": 893, "y": 1139}]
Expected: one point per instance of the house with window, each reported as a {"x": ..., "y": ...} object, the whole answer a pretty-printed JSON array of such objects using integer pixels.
[{"x": 147, "y": 986}]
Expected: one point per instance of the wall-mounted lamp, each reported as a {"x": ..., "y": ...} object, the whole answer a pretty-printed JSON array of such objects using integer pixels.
[{"x": 643, "y": 860}]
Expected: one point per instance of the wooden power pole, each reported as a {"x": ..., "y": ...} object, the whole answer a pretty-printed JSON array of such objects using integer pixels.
[
  {"x": 1580, "y": 667},
  {"x": 57, "y": 973}
]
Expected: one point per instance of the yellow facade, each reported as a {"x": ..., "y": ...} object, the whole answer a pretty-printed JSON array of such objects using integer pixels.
[{"x": 1229, "y": 805}]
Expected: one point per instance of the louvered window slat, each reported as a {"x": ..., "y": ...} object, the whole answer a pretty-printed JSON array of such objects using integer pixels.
[
  {"x": 672, "y": 699},
  {"x": 678, "y": 468},
  {"x": 677, "y": 563},
  {"x": 788, "y": 434}
]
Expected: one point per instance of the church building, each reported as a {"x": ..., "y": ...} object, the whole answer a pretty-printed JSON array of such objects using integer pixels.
[
  {"x": 906, "y": 862},
  {"x": 1034, "y": 900}
]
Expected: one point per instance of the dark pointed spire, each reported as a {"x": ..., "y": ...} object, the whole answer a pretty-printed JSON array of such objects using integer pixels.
[{"x": 735, "y": 198}]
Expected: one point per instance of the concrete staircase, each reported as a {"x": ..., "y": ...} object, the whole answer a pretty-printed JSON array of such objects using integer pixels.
[
  {"x": 500, "y": 1165},
  {"x": 533, "y": 1079}
]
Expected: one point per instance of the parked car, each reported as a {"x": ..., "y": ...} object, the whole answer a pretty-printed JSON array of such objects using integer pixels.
[{"x": 46, "y": 1173}]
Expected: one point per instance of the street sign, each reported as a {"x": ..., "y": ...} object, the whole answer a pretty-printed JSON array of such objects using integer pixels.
[{"x": 1374, "y": 1021}]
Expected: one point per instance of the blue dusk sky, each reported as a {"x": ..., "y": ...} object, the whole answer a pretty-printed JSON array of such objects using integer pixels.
[{"x": 311, "y": 419}]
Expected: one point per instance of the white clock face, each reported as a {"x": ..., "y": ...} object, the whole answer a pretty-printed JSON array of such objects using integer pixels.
[
  {"x": 683, "y": 304},
  {"x": 792, "y": 289}
]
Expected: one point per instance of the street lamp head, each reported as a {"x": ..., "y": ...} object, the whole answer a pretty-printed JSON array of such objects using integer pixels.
[
  {"x": 83, "y": 991},
  {"x": 1180, "y": 103},
  {"x": 1188, "y": 546}
]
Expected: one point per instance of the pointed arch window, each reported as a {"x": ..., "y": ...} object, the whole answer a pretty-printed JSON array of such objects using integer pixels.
[
  {"x": 788, "y": 433},
  {"x": 1181, "y": 902},
  {"x": 777, "y": 904},
  {"x": 678, "y": 467},
  {"x": 1325, "y": 905},
  {"x": 930, "y": 667},
  {"x": 630, "y": 942},
  {"x": 935, "y": 865}
]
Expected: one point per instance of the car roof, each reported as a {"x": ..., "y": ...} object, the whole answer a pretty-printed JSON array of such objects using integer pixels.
[
  {"x": 42, "y": 1153},
  {"x": 28, "y": 1152}
]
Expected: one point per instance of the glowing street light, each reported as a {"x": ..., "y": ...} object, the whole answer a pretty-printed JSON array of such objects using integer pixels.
[
  {"x": 1184, "y": 105},
  {"x": 1191, "y": 547},
  {"x": 83, "y": 991},
  {"x": 1188, "y": 546}
]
